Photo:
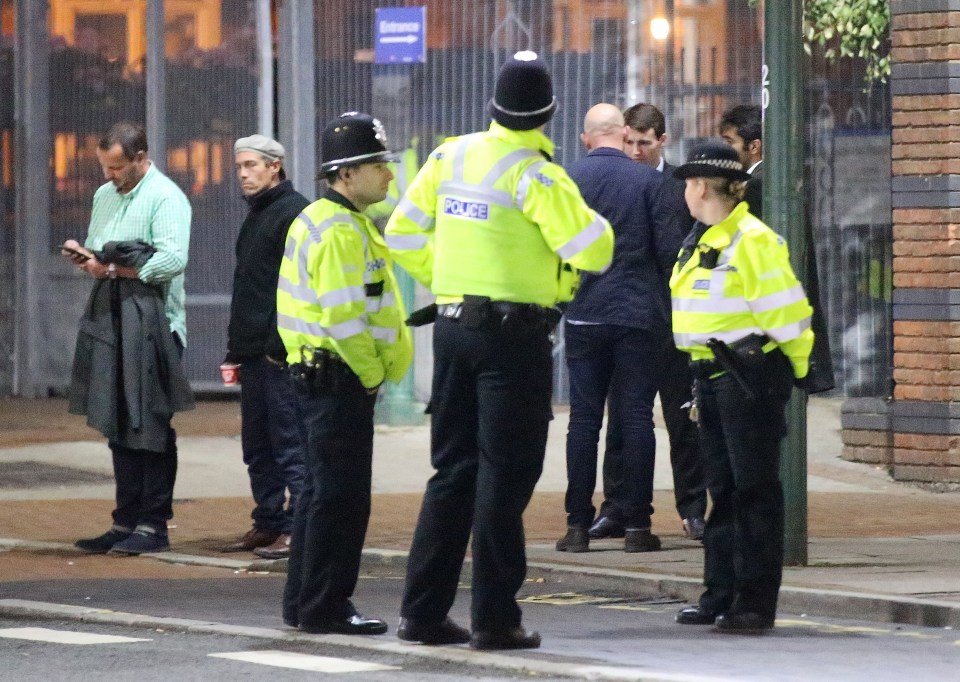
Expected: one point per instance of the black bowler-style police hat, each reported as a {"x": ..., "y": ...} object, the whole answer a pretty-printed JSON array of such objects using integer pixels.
[
  {"x": 353, "y": 138},
  {"x": 713, "y": 159},
  {"x": 523, "y": 99}
]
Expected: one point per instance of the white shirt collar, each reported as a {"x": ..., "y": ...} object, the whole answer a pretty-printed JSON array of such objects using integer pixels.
[
  {"x": 754, "y": 167},
  {"x": 660, "y": 165}
]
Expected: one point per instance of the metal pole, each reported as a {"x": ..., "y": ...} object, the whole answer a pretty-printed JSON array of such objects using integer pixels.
[
  {"x": 33, "y": 148},
  {"x": 784, "y": 133},
  {"x": 669, "y": 59},
  {"x": 297, "y": 115},
  {"x": 264, "y": 24},
  {"x": 156, "y": 84}
]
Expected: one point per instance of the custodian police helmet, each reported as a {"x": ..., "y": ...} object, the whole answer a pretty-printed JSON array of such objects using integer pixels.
[
  {"x": 353, "y": 138},
  {"x": 523, "y": 99}
]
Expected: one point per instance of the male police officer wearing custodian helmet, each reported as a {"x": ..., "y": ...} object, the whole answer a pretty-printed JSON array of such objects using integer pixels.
[
  {"x": 488, "y": 224},
  {"x": 341, "y": 322}
]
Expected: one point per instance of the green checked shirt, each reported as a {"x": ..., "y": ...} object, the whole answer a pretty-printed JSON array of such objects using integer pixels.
[{"x": 157, "y": 212}]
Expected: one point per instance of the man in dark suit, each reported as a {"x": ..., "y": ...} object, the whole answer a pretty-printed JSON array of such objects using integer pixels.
[
  {"x": 742, "y": 128},
  {"x": 616, "y": 330}
]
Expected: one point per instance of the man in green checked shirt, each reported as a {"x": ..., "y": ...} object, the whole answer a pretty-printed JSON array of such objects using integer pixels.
[{"x": 139, "y": 203}]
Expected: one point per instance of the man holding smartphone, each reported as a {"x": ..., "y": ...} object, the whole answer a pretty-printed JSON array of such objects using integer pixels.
[{"x": 138, "y": 239}]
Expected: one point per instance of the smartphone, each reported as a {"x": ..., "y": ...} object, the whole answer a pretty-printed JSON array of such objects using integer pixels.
[{"x": 74, "y": 253}]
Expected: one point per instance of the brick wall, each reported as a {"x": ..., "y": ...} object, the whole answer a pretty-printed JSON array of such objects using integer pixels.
[{"x": 923, "y": 441}]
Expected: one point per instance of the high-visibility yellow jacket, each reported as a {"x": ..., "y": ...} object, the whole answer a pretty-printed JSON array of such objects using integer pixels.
[
  {"x": 337, "y": 291},
  {"x": 489, "y": 215},
  {"x": 751, "y": 290}
]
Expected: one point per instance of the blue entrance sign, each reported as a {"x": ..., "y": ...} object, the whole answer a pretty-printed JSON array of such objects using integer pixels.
[{"x": 400, "y": 35}]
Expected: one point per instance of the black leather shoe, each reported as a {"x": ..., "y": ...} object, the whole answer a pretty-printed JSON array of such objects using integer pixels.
[
  {"x": 640, "y": 541},
  {"x": 103, "y": 543},
  {"x": 515, "y": 638},
  {"x": 695, "y": 615},
  {"x": 444, "y": 632},
  {"x": 605, "y": 527},
  {"x": 744, "y": 622},
  {"x": 576, "y": 540},
  {"x": 351, "y": 625}
]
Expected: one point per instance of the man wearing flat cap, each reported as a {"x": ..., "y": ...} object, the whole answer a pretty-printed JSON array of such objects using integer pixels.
[{"x": 271, "y": 428}]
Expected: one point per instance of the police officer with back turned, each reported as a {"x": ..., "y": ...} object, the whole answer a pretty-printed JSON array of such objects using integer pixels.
[
  {"x": 488, "y": 224},
  {"x": 743, "y": 317},
  {"x": 341, "y": 321}
]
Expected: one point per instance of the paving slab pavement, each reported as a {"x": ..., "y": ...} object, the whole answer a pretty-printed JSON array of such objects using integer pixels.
[{"x": 876, "y": 545}]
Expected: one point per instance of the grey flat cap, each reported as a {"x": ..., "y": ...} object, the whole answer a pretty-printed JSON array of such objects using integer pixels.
[{"x": 260, "y": 144}]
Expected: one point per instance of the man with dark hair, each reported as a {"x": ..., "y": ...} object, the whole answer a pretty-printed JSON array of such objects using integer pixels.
[
  {"x": 340, "y": 316},
  {"x": 645, "y": 138},
  {"x": 741, "y": 127},
  {"x": 136, "y": 249},
  {"x": 271, "y": 427}
]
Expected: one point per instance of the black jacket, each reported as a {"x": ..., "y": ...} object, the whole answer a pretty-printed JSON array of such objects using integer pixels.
[
  {"x": 253, "y": 310},
  {"x": 632, "y": 292},
  {"x": 127, "y": 375}
]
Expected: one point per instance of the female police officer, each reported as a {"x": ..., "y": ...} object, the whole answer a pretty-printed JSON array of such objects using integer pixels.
[{"x": 743, "y": 317}]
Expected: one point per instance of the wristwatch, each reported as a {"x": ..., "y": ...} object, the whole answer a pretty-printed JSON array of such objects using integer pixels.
[{"x": 112, "y": 270}]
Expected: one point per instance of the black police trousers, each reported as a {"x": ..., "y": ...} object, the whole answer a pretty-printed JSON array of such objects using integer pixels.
[
  {"x": 740, "y": 445},
  {"x": 331, "y": 518},
  {"x": 490, "y": 412}
]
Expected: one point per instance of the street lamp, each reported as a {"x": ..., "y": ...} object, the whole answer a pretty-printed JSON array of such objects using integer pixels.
[{"x": 659, "y": 28}]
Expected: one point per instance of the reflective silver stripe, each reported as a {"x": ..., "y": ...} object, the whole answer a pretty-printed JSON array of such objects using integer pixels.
[
  {"x": 729, "y": 248},
  {"x": 344, "y": 330},
  {"x": 501, "y": 167},
  {"x": 413, "y": 213},
  {"x": 462, "y": 190},
  {"x": 300, "y": 292},
  {"x": 688, "y": 340},
  {"x": 289, "y": 248},
  {"x": 710, "y": 305},
  {"x": 341, "y": 296},
  {"x": 316, "y": 231},
  {"x": 583, "y": 239},
  {"x": 718, "y": 280},
  {"x": 459, "y": 160},
  {"x": 524, "y": 184},
  {"x": 789, "y": 332},
  {"x": 376, "y": 304},
  {"x": 384, "y": 334},
  {"x": 406, "y": 242},
  {"x": 781, "y": 299}
]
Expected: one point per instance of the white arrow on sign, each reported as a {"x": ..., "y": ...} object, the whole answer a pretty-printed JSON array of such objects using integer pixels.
[{"x": 408, "y": 39}]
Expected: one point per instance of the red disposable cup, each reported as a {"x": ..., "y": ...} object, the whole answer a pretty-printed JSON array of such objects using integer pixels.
[{"x": 230, "y": 372}]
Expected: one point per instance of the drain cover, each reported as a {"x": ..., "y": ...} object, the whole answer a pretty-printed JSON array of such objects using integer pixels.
[{"x": 14, "y": 475}]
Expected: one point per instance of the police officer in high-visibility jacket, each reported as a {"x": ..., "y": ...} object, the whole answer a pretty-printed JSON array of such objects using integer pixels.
[
  {"x": 743, "y": 317},
  {"x": 488, "y": 224},
  {"x": 341, "y": 321}
]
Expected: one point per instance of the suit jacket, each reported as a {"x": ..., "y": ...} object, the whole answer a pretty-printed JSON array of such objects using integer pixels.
[{"x": 820, "y": 377}]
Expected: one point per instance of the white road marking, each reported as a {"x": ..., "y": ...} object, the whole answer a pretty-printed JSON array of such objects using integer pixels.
[
  {"x": 65, "y": 636},
  {"x": 289, "y": 659}
]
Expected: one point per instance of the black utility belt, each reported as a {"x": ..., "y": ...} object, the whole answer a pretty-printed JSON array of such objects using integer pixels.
[
  {"x": 320, "y": 368},
  {"x": 479, "y": 312},
  {"x": 747, "y": 353}
]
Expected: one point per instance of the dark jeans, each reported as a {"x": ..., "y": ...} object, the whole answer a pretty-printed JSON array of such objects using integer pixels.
[
  {"x": 740, "y": 442},
  {"x": 272, "y": 434},
  {"x": 619, "y": 365},
  {"x": 334, "y": 507},
  {"x": 689, "y": 487},
  {"x": 491, "y": 410},
  {"x": 145, "y": 481}
]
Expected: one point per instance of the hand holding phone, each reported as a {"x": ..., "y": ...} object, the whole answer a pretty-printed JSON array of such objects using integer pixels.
[{"x": 76, "y": 255}]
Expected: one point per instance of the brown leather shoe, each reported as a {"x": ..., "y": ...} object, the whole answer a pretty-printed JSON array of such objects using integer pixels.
[
  {"x": 278, "y": 550},
  {"x": 252, "y": 539}
]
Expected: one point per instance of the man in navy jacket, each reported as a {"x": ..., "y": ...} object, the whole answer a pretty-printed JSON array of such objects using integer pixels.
[{"x": 616, "y": 331}]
